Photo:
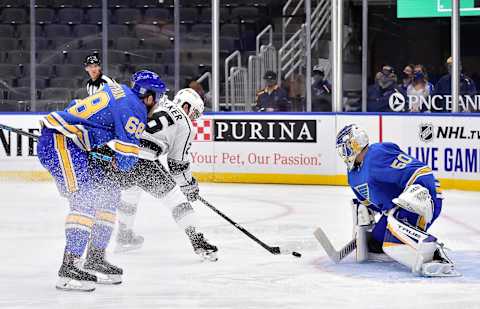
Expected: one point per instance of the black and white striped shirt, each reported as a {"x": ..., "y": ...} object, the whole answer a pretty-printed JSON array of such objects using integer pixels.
[{"x": 94, "y": 85}]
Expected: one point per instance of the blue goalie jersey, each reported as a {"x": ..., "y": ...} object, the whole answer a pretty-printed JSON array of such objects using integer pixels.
[
  {"x": 113, "y": 116},
  {"x": 384, "y": 174}
]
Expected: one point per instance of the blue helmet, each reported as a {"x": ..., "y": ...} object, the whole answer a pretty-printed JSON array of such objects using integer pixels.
[{"x": 145, "y": 81}]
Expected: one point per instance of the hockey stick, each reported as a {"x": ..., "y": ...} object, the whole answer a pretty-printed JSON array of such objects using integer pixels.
[
  {"x": 18, "y": 131},
  {"x": 333, "y": 254},
  {"x": 93, "y": 154},
  {"x": 272, "y": 250}
]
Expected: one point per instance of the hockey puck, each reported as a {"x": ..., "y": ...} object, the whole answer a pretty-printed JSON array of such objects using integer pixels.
[{"x": 296, "y": 254}]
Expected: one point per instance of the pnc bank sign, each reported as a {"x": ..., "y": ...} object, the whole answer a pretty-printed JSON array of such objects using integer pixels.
[{"x": 401, "y": 103}]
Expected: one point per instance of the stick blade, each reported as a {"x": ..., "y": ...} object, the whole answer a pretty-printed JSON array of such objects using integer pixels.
[{"x": 322, "y": 238}]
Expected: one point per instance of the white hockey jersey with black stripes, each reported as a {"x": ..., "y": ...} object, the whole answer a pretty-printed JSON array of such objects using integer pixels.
[
  {"x": 94, "y": 85},
  {"x": 169, "y": 132}
]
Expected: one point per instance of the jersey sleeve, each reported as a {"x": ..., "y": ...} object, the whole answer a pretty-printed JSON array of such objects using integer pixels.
[
  {"x": 128, "y": 127},
  {"x": 391, "y": 165},
  {"x": 158, "y": 135},
  {"x": 178, "y": 158}
]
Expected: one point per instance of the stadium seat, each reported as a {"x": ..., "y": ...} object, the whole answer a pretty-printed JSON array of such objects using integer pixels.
[
  {"x": 147, "y": 30},
  {"x": 190, "y": 70},
  {"x": 55, "y": 30},
  {"x": 64, "y": 3},
  {"x": 92, "y": 43},
  {"x": 60, "y": 94},
  {"x": 199, "y": 56},
  {"x": 140, "y": 56},
  {"x": 116, "y": 57},
  {"x": 116, "y": 31},
  {"x": 51, "y": 57},
  {"x": 157, "y": 16},
  {"x": 12, "y": 3},
  {"x": 64, "y": 43},
  {"x": 69, "y": 70},
  {"x": 14, "y": 16},
  {"x": 18, "y": 57},
  {"x": 160, "y": 69},
  {"x": 70, "y": 16},
  {"x": 167, "y": 56},
  {"x": 44, "y": 16},
  {"x": 77, "y": 57},
  {"x": 19, "y": 94},
  {"x": 158, "y": 43},
  {"x": 24, "y": 30},
  {"x": 7, "y": 31},
  {"x": 81, "y": 92},
  {"x": 41, "y": 71},
  {"x": 81, "y": 31},
  {"x": 7, "y": 44},
  {"x": 169, "y": 29},
  {"x": 86, "y": 4},
  {"x": 204, "y": 30},
  {"x": 128, "y": 16},
  {"x": 40, "y": 83},
  {"x": 127, "y": 43},
  {"x": 146, "y": 3},
  {"x": 119, "y": 3},
  {"x": 94, "y": 16},
  {"x": 206, "y": 15},
  {"x": 64, "y": 83},
  {"x": 230, "y": 30},
  {"x": 188, "y": 15},
  {"x": 40, "y": 43}
]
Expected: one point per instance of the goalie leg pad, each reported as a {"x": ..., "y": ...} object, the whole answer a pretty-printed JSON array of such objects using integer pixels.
[
  {"x": 363, "y": 221},
  {"x": 417, "y": 250}
]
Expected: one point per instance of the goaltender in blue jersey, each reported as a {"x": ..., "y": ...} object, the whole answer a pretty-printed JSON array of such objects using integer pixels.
[
  {"x": 108, "y": 122},
  {"x": 405, "y": 194}
]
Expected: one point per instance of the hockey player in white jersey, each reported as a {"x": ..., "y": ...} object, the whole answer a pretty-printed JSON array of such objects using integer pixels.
[{"x": 169, "y": 132}]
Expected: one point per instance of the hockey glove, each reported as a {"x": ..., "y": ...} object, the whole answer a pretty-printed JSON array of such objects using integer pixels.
[{"x": 191, "y": 190}]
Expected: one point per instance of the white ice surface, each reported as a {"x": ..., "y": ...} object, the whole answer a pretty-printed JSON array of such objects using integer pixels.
[{"x": 166, "y": 274}]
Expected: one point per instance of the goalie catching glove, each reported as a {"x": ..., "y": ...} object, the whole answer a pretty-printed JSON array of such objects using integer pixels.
[
  {"x": 191, "y": 190},
  {"x": 416, "y": 199}
]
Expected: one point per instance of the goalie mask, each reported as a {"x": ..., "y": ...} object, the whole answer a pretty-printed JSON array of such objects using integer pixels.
[
  {"x": 192, "y": 98},
  {"x": 351, "y": 140}
]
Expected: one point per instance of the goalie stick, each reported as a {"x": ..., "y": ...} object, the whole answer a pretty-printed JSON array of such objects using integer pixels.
[
  {"x": 333, "y": 254},
  {"x": 272, "y": 250}
]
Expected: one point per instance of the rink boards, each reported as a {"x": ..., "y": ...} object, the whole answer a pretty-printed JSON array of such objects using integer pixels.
[{"x": 291, "y": 148}]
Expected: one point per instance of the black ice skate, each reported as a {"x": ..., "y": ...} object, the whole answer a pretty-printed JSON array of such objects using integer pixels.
[
  {"x": 72, "y": 278},
  {"x": 201, "y": 246},
  {"x": 127, "y": 240},
  {"x": 97, "y": 264}
]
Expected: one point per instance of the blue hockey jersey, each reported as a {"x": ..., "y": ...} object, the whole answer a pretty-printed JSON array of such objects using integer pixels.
[
  {"x": 113, "y": 116},
  {"x": 385, "y": 172}
]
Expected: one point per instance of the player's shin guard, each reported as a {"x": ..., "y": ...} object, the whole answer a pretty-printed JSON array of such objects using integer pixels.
[
  {"x": 417, "y": 250},
  {"x": 78, "y": 227}
]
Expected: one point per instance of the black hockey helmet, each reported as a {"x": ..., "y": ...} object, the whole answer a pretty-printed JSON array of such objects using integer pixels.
[{"x": 91, "y": 59}]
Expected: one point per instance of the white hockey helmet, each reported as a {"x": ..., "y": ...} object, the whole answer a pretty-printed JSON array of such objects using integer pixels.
[
  {"x": 351, "y": 140},
  {"x": 193, "y": 99}
]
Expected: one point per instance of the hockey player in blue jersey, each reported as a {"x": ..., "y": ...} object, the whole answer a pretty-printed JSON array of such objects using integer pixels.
[
  {"x": 403, "y": 190},
  {"x": 112, "y": 121}
]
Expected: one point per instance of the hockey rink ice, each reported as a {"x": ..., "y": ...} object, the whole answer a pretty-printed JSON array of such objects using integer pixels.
[{"x": 165, "y": 273}]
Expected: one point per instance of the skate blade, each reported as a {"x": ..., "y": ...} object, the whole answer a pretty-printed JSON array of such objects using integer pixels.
[
  {"x": 125, "y": 248},
  {"x": 105, "y": 278},
  {"x": 207, "y": 256},
  {"x": 68, "y": 284}
]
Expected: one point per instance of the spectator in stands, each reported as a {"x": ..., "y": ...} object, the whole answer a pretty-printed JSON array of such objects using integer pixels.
[
  {"x": 199, "y": 89},
  {"x": 421, "y": 68},
  {"x": 272, "y": 98},
  {"x": 294, "y": 85},
  {"x": 321, "y": 91},
  {"x": 444, "y": 88},
  {"x": 407, "y": 77},
  {"x": 380, "y": 92},
  {"x": 417, "y": 91}
]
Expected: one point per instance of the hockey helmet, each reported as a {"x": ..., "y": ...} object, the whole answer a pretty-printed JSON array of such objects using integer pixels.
[
  {"x": 91, "y": 59},
  {"x": 193, "y": 99},
  {"x": 351, "y": 140},
  {"x": 144, "y": 83}
]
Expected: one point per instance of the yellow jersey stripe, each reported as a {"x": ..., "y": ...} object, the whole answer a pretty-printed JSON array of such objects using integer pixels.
[
  {"x": 71, "y": 129},
  {"x": 79, "y": 219},
  {"x": 419, "y": 172},
  {"x": 126, "y": 149},
  {"x": 105, "y": 216},
  {"x": 66, "y": 163}
]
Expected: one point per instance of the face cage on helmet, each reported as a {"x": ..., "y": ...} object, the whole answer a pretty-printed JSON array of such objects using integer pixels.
[{"x": 347, "y": 154}]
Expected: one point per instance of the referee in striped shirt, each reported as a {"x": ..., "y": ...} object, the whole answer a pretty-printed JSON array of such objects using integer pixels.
[{"x": 97, "y": 78}]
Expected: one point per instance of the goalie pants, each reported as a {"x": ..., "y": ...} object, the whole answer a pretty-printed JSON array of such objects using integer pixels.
[
  {"x": 84, "y": 182},
  {"x": 380, "y": 232}
]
